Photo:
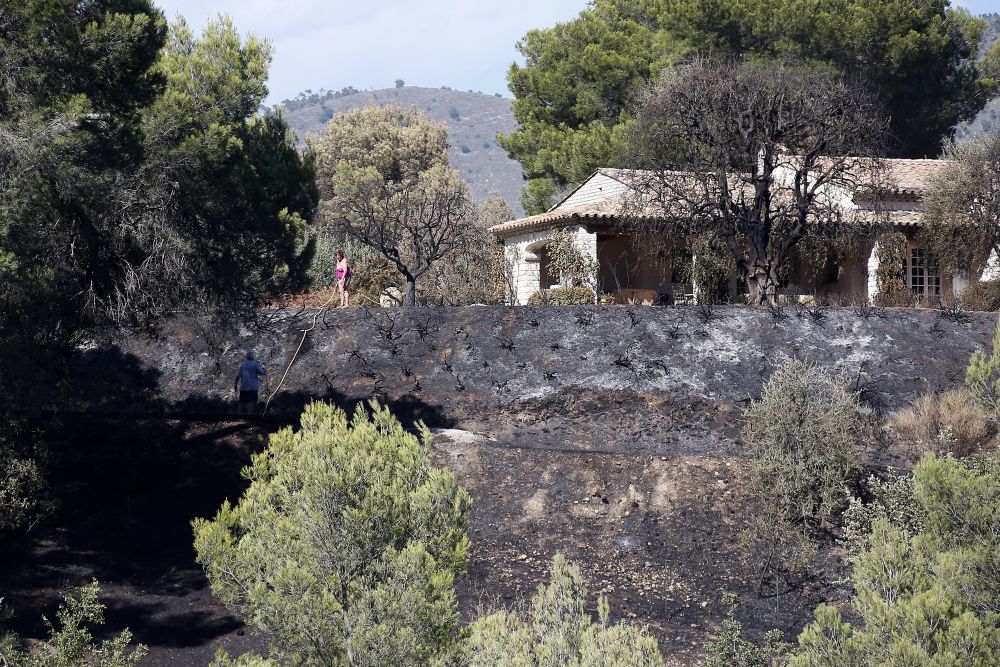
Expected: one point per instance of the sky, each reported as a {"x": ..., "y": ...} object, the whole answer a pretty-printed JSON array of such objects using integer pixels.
[{"x": 464, "y": 44}]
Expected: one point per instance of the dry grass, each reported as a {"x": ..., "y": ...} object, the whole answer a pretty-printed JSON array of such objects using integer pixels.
[{"x": 946, "y": 422}]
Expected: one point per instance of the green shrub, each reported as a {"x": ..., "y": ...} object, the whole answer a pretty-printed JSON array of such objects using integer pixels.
[
  {"x": 982, "y": 377},
  {"x": 802, "y": 435},
  {"x": 982, "y": 296},
  {"x": 223, "y": 659},
  {"x": 23, "y": 485},
  {"x": 892, "y": 500},
  {"x": 729, "y": 648},
  {"x": 72, "y": 644},
  {"x": 559, "y": 632},
  {"x": 929, "y": 598},
  {"x": 347, "y": 542},
  {"x": 563, "y": 296}
]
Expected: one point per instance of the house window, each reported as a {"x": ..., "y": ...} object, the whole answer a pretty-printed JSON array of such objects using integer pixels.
[{"x": 925, "y": 274}]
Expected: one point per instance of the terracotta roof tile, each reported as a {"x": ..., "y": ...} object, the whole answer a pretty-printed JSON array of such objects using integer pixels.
[{"x": 909, "y": 178}]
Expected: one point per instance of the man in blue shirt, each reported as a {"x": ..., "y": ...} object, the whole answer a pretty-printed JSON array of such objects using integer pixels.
[{"x": 247, "y": 383}]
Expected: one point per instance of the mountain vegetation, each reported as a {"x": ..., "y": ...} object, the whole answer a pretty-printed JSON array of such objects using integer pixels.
[{"x": 473, "y": 121}]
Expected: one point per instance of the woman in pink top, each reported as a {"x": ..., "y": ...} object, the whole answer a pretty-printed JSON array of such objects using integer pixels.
[{"x": 343, "y": 279}]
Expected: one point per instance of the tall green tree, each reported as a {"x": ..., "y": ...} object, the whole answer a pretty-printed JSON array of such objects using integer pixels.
[
  {"x": 345, "y": 547},
  {"x": 930, "y": 598},
  {"x": 75, "y": 78},
  {"x": 135, "y": 179},
  {"x": 574, "y": 93},
  {"x": 223, "y": 197}
]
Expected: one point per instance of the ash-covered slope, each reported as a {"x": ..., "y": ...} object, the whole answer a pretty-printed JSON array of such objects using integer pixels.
[
  {"x": 447, "y": 365},
  {"x": 610, "y": 435}
]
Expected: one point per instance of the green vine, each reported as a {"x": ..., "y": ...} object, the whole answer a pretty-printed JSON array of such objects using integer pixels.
[{"x": 891, "y": 272}]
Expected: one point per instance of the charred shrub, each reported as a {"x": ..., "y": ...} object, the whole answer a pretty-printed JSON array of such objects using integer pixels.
[
  {"x": 981, "y": 296},
  {"x": 564, "y": 296}
]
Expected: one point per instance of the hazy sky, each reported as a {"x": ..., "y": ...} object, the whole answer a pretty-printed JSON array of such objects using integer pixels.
[{"x": 465, "y": 44}]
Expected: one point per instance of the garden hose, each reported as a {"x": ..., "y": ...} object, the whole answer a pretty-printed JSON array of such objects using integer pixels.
[{"x": 302, "y": 341}]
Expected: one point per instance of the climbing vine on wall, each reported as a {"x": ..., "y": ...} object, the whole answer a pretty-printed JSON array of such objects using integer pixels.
[
  {"x": 705, "y": 262},
  {"x": 568, "y": 263},
  {"x": 891, "y": 272}
]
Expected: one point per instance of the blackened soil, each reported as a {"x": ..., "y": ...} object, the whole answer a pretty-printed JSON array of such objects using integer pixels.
[
  {"x": 644, "y": 491},
  {"x": 126, "y": 492}
]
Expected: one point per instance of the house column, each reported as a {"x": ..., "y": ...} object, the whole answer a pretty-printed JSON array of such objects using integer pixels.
[
  {"x": 873, "y": 265},
  {"x": 527, "y": 273},
  {"x": 992, "y": 269},
  {"x": 695, "y": 291},
  {"x": 586, "y": 243}
]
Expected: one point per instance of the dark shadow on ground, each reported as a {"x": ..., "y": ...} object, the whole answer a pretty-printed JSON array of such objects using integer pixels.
[
  {"x": 288, "y": 405},
  {"x": 126, "y": 491}
]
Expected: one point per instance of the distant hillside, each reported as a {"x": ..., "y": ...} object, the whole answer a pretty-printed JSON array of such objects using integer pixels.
[
  {"x": 989, "y": 117},
  {"x": 473, "y": 121}
]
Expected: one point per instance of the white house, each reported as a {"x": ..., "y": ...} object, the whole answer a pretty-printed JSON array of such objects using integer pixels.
[{"x": 630, "y": 272}]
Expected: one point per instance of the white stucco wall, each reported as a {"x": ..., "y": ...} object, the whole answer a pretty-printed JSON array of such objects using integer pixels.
[{"x": 522, "y": 252}]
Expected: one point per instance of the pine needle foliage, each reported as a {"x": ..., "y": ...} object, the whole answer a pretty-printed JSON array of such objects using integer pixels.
[{"x": 345, "y": 547}]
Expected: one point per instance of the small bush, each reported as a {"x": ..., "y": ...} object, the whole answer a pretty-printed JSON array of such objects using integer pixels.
[
  {"x": 802, "y": 435},
  {"x": 730, "y": 648},
  {"x": 892, "y": 501},
  {"x": 982, "y": 377},
  {"x": 982, "y": 296},
  {"x": 70, "y": 642},
  {"x": 947, "y": 422},
  {"x": 566, "y": 296},
  {"x": 558, "y": 630}
]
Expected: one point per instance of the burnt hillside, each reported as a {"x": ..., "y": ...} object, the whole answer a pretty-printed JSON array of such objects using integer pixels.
[
  {"x": 460, "y": 362},
  {"x": 609, "y": 434}
]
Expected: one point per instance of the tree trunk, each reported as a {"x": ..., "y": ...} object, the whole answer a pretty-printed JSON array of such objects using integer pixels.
[
  {"x": 763, "y": 287},
  {"x": 411, "y": 292}
]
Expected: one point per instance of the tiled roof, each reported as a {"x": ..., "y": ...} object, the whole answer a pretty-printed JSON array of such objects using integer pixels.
[
  {"x": 907, "y": 178},
  {"x": 558, "y": 217},
  {"x": 911, "y": 177}
]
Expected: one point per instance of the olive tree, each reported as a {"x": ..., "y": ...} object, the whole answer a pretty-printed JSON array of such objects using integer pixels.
[
  {"x": 760, "y": 157},
  {"x": 345, "y": 546},
  {"x": 384, "y": 179},
  {"x": 963, "y": 201}
]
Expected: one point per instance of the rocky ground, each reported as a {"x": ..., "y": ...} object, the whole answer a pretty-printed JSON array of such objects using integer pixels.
[{"x": 608, "y": 434}]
